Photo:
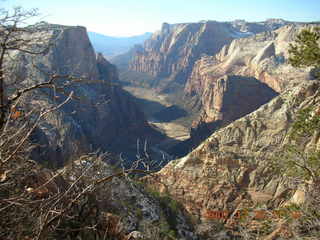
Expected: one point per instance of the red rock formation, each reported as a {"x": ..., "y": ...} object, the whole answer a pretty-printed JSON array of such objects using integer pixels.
[
  {"x": 263, "y": 56},
  {"x": 171, "y": 52}
]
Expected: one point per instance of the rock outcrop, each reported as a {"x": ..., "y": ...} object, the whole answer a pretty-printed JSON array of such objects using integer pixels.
[
  {"x": 170, "y": 54},
  {"x": 102, "y": 115},
  {"x": 227, "y": 99},
  {"x": 230, "y": 169},
  {"x": 263, "y": 57}
]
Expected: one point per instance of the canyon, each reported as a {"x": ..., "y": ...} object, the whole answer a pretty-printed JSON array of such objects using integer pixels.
[
  {"x": 211, "y": 104},
  {"x": 214, "y": 66},
  {"x": 104, "y": 117},
  {"x": 247, "y": 96}
]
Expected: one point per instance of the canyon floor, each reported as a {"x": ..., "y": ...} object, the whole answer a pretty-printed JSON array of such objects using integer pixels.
[{"x": 162, "y": 115}]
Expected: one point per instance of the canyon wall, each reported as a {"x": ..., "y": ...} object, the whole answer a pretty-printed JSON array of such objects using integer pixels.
[
  {"x": 231, "y": 169},
  {"x": 263, "y": 57},
  {"x": 101, "y": 115},
  {"x": 169, "y": 55}
]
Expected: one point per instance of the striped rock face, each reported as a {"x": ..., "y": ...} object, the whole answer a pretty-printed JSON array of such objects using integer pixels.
[
  {"x": 230, "y": 169},
  {"x": 170, "y": 54},
  {"x": 246, "y": 61}
]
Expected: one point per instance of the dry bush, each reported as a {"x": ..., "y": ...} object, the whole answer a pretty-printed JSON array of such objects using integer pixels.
[{"x": 36, "y": 203}]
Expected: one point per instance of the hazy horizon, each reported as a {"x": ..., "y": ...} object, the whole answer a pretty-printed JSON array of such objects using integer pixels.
[{"x": 132, "y": 18}]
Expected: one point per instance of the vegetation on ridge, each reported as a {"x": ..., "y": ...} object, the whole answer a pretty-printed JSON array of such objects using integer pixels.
[{"x": 306, "y": 51}]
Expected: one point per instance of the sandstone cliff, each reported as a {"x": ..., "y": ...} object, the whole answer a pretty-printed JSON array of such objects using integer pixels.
[
  {"x": 227, "y": 99},
  {"x": 229, "y": 170},
  {"x": 263, "y": 57},
  {"x": 102, "y": 116},
  {"x": 169, "y": 55}
]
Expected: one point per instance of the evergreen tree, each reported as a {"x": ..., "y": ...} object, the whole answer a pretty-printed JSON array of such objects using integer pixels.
[{"x": 305, "y": 52}]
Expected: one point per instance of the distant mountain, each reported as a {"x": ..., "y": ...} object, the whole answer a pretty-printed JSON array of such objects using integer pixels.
[{"x": 112, "y": 46}]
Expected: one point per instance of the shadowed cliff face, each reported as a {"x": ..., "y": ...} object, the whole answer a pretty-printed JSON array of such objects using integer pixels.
[
  {"x": 227, "y": 99},
  {"x": 102, "y": 116},
  {"x": 229, "y": 170},
  {"x": 169, "y": 55}
]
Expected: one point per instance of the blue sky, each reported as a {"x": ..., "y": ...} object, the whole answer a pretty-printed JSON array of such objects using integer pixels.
[{"x": 133, "y": 17}]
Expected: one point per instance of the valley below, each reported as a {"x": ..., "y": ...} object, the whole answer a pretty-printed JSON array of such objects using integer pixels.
[
  {"x": 162, "y": 115},
  {"x": 204, "y": 118}
]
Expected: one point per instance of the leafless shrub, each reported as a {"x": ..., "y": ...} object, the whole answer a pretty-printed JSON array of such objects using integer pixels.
[{"x": 36, "y": 203}]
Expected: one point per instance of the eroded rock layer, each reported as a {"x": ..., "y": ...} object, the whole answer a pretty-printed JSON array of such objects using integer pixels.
[
  {"x": 230, "y": 169},
  {"x": 263, "y": 57},
  {"x": 171, "y": 53},
  {"x": 227, "y": 99}
]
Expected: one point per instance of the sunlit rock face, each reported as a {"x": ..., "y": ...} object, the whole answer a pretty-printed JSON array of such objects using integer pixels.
[
  {"x": 263, "y": 57},
  {"x": 170, "y": 53},
  {"x": 229, "y": 169},
  {"x": 101, "y": 115}
]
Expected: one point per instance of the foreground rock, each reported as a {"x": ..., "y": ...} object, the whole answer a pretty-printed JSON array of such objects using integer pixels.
[
  {"x": 230, "y": 169},
  {"x": 136, "y": 210},
  {"x": 87, "y": 199}
]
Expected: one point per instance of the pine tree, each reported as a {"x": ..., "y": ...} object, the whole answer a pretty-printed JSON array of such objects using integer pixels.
[{"x": 305, "y": 52}]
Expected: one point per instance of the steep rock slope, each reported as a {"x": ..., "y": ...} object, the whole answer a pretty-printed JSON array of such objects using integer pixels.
[
  {"x": 171, "y": 53},
  {"x": 263, "y": 56},
  {"x": 229, "y": 170},
  {"x": 227, "y": 99},
  {"x": 134, "y": 207},
  {"x": 102, "y": 115}
]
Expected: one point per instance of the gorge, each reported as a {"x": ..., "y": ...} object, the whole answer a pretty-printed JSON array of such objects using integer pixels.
[{"x": 197, "y": 120}]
